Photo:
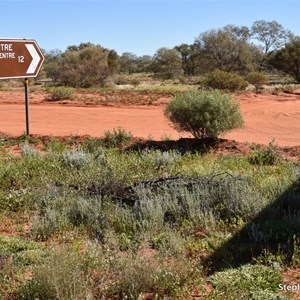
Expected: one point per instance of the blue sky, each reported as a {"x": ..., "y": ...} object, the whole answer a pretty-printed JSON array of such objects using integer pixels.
[{"x": 135, "y": 26}]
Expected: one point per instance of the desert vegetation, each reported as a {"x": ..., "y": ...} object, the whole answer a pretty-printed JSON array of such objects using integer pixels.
[
  {"x": 120, "y": 217},
  {"x": 239, "y": 50},
  {"x": 204, "y": 113},
  {"x": 113, "y": 218}
]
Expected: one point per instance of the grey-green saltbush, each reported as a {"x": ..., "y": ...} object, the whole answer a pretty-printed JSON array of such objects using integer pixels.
[
  {"x": 204, "y": 113},
  {"x": 76, "y": 158},
  {"x": 161, "y": 159},
  {"x": 28, "y": 150},
  {"x": 56, "y": 213},
  {"x": 219, "y": 196}
]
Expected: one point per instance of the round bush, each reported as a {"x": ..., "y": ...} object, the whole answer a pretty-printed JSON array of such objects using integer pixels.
[
  {"x": 224, "y": 81},
  {"x": 204, "y": 113},
  {"x": 257, "y": 79},
  {"x": 61, "y": 93}
]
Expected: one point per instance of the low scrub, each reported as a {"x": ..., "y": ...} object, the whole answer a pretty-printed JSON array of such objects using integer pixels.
[
  {"x": 76, "y": 158},
  {"x": 196, "y": 200},
  {"x": 117, "y": 138},
  {"x": 137, "y": 277},
  {"x": 258, "y": 79},
  {"x": 222, "y": 80},
  {"x": 134, "y": 224},
  {"x": 61, "y": 93},
  {"x": 266, "y": 156},
  {"x": 247, "y": 282},
  {"x": 94, "y": 274},
  {"x": 62, "y": 275},
  {"x": 58, "y": 213}
]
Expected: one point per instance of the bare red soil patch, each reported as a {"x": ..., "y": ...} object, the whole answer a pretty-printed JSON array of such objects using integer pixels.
[
  {"x": 269, "y": 117},
  {"x": 291, "y": 283}
]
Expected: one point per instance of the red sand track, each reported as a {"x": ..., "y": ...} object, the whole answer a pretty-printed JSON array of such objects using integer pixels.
[
  {"x": 143, "y": 121},
  {"x": 269, "y": 117},
  {"x": 266, "y": 116}
]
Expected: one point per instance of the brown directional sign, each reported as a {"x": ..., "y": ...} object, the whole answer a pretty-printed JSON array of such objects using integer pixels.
[{"x": 19, "y": 58}]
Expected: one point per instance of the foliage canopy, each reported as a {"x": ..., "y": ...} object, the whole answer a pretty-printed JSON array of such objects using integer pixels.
[
  {"x": 84, "y": 67},
  {"x": 228, "y": 49},
  {"x": 287, "y": 59},
  {"x": 167, "y": 63}
]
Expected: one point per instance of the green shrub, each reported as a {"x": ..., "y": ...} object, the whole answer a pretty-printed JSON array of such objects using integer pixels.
[
  {"x": 11, "y": 245},
  {"x": 257, "y": 79},
  {"x": 204, "y": 113},
  {"x": 50, "y": 223},
  {"x": 61, "y": 93},
  {"x": 121, "y": 79},
  {"x": 137, "y": 276},
  {"x": 16, "y": 254},
  {"x": 289, "y": 88},
  {"x": 265, "y": 156},
  {"x": 247, "y": 282},
  {"x": 135, "y": 82},
  {"x": 169, "y": 243},
  {"x": 119, "y": 137},
  {"x": 61, "y": 276},
  {"x": 222, "y": 80}
]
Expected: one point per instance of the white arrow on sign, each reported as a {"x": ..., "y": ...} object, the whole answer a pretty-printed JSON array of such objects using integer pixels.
[{"x": 35, "y": 58}]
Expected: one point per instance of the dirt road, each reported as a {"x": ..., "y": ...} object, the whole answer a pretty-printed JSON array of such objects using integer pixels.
[
  {"x": 269, "y": 117},
  {"x": 59, "y": 120},
  {"x": 266, "y": 116}
]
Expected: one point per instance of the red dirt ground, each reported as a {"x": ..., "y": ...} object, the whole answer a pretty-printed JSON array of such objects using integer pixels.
[{"x": 267, "y": 116}]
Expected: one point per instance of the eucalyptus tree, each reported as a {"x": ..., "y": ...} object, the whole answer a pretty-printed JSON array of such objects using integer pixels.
[
  {"x": 167, "y": 63},
  {"x": 51, "y": 64},
  {"x": 287, "y": 59},
  {"x": 144, "y": 64},
  {"x": 228, "y": 49},
  {"x": 269, "y": 36},
  {"x": 128, "y": 63},
  {"x": 112, "y": 61},
  {"x": 85, "y": 65}
]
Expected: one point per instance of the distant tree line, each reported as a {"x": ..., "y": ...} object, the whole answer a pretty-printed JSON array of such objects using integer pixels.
[{"x": 263, "y": 47}]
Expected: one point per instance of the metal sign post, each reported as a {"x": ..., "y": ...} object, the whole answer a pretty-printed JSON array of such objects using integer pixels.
[
  {"x": 20, "y": 58},
  {"x": 26, "y": 106}
]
